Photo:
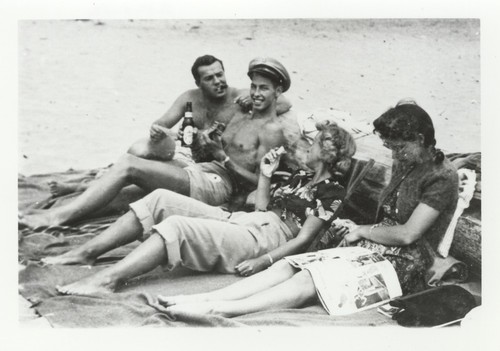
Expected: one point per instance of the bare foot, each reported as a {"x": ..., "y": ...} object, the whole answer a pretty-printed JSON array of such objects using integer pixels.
[
  {"x": 95, "y": 284},
  {"x": 38, "y": 218},
  {"x": 69, "y": 258},
  {"x": 181, "y": 299},
  {"x": 60, "y": 189}
]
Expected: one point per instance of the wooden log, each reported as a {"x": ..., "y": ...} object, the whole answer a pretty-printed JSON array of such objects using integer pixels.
[{"x": 466, "y": 244}]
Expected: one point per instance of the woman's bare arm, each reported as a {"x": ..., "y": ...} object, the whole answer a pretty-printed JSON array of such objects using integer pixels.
[
  {"x": 311, "y": 227},
  {"x": 399, "y": 235}
]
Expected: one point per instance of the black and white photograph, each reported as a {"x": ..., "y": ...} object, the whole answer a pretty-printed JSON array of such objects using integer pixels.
[{"x": 168, "y": 164}]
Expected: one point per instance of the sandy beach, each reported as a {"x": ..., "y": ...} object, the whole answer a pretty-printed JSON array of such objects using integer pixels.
[{"x": 88, "y": 89}]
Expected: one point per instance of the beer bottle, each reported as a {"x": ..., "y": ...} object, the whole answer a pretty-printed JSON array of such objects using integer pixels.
[{"x": 187, "y": 126}]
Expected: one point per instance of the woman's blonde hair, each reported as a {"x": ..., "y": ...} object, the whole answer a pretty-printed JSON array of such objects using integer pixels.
[{"x": 337, "y": 146}]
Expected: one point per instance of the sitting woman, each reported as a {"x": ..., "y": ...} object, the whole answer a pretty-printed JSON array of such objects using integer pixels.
[
  {"x": 190, "y": 233},
  {"x": 418, "y": 203}
]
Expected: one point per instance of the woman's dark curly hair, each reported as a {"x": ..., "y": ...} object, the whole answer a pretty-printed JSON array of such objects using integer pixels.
[
  {"x": 337, "y": 146},
  {"x": 406, "y": 121}
]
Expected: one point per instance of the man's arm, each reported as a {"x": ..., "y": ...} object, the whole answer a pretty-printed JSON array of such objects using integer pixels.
[
  {"x": 282, "y": 103},
  {"x": 149, "y": 148},
  {"x": 175, "y": 112}
]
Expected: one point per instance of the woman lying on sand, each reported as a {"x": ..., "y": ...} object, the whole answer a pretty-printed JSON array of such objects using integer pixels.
[
  {"x": 190, "y": 233},
  {"x": 419, "y": 203}
]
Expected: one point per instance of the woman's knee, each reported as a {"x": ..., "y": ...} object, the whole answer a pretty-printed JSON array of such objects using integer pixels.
[
  {"x": 304, "y": 277},
  {"x": 304, "y": 286},
  {"x": 165, "y": 199},
  {"x": 174, "y": 225},
  {"x": 161, "y": 195}
]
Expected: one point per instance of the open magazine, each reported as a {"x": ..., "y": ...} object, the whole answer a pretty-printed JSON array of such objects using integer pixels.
[{"x": 349, "y": 279}]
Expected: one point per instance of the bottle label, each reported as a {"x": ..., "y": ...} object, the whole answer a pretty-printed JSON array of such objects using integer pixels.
[{"x": 187, "y": 136}]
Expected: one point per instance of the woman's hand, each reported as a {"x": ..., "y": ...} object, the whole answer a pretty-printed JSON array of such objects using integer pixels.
[
  {"x": 271, "y": 161},
  {"x": 349, "y": 231},
  {"x": 252, "y": 266},
  {"x": 352, "y": 237},
  {"x": 156, "y": 133}
]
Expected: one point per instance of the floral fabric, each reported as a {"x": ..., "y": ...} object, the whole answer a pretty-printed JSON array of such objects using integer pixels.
[
  {"x": 298, "y": 199},
  {"x": 435, "y": 185}
]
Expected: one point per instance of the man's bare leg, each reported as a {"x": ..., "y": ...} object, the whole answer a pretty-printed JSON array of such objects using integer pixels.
[
  {"x": 125, "y": 230},
  {"x": 277, "y": 273},
  {"x": 143, "y": 259},
  {"x": 292, "y": 293},
  {"x": 147, "y": 174},
  {"x": 62, "y": 188}
]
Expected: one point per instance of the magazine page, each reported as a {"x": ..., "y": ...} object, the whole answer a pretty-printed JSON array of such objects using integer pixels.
[
  {"x": 346, "y": 253},
  {"x": 349, "y": 279}
]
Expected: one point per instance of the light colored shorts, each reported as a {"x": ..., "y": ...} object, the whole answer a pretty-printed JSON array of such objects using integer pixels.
[
  {"x": 207, "y": 238},
  {"x": 209, "y": 182},
  {"x": 183, "y": 154}
]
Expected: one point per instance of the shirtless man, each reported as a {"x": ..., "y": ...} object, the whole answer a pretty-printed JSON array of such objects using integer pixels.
[
  {"x": 247, "y": 138},
  {"x": 213, "y": 101}
]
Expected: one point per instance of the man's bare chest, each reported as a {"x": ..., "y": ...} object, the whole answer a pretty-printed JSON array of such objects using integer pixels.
[
  {"x": 244, "y": 133},
  {"x": 224, "y": 114}
]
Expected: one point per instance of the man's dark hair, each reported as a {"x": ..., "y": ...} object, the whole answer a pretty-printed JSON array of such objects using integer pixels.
[{"x": 205, "y": 60}]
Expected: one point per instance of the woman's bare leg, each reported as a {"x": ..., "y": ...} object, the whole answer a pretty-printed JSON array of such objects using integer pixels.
[
  {"x": 143, "y": 259},
  {"x": 125, "y": 230},
  {"x": 277, "y": 273},
  {"x": 292, "y": 293},
  {"x": 147, "y": 174}
]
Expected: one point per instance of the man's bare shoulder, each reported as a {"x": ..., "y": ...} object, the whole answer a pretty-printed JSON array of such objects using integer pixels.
[
  {"x": 271, "y": 127},
  {"x": 273, "y": 124},
  {"x": 193, "y": 95}
]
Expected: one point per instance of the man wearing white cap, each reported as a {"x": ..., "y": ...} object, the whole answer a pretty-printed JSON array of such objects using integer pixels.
[{"x": 248, "y": 137}]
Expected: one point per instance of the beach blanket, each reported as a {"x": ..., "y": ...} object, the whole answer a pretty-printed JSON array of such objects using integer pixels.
[{"x": 135, "y": 303}]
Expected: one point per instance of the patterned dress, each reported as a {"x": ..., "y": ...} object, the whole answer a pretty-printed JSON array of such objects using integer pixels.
[
  {"x": 435, "y": 185},
  {"x": 296, "y": 200}
]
